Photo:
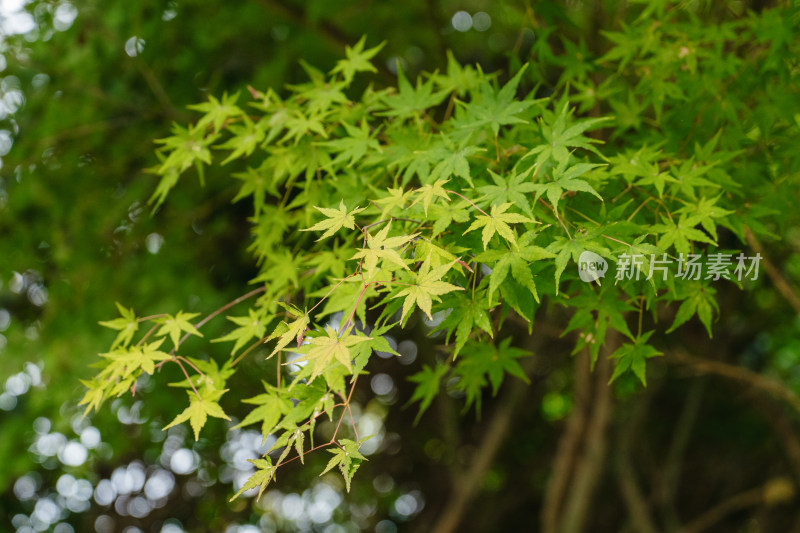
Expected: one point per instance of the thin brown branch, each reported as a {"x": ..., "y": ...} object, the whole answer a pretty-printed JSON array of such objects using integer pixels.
[
  {"x": 589, "y": 468},
  {"x": 781, "y": 283},
  {"x": 738, "y": 373},
  {"x": 568, "y": 446}
]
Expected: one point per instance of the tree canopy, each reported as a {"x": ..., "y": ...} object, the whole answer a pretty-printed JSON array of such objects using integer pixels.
[{"x": 431, "y": 266}]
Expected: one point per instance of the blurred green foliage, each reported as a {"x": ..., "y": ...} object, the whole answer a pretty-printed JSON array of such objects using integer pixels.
[{"x": 82, "y": 102}]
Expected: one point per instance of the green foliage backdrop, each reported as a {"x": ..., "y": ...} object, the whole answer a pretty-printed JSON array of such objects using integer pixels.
[{"x": 398, "y": 223}]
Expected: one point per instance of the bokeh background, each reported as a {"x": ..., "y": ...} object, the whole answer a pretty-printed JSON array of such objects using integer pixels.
[{"x": 86, "y": 87}]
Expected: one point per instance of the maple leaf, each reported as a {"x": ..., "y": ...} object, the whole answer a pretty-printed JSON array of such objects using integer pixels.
[
  {"x": 427, "y": 192},
  {"x": 355, "y": 146},
  {"x": 321, "y": 351},
  {"x": 286, "y": 332},
  {"x": 126, "y": 325},
  {"x": 512, "y": 189},
  {"x": 465, "y": 315},
  {"x": 347, "y": 458},
  {"x": 397, "y": 198},
  {"x": 678, "y": 234},
  {"x": 380, "y": 246},
  {"x": 559, "y": 138},
  {"x": 428, "y": 380},
  {"x": 409, "y": 101},
  {"x": 494, "y": 107},
  {"x": 337, "y": 219},
  {"x": 564, "y": 180},
  {"x": 251, "y": 326},
  {"x": 198, "y": 411},
  {"x": 517, "y": 262},
  {"x": 94, "y": 396},
  {"x": 126, "y": 361},
  {"x": 633, "y": 357},
  {"x": 428, "y": 285},
  {"x": 699, "y": 300},
  {"x": 498, "y": 222},
  {"x": 487, "y": 360},
  {"x": 264, "y": 474},
  {"x": 174, "y": 325},
  {"x": 357, "y": 60},
  {"x": 270, "y": 408},
  {"x": 216, "y": 112}
]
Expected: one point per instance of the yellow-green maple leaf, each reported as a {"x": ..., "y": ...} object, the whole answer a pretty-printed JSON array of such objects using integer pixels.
[
  {"x": 380, "y": 246},
  {"x": 321, "y": 351},
  {"x": 426, "y": 193},
  {"x": 286, "y": 332},
  {"x": 198, "y": 411},
  {"x": 429, "y": 285},
  {"x": 498, "y": 222},
  {"x": 126, "y": 325},
  {"x": 336, "y": 220},
  {"x": 261, "y": 478},
  {"x": 174, "y": 325}
]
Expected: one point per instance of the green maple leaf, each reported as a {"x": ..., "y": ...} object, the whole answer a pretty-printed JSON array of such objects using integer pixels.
[
  {"x": 679, "y": 234},
  {"x": 381, "y": 246},
  {"x": 264, "y": 474},
  {"x": 246, "y": 138},
  {"x": 321, "y": 351},
  {"x": 633, "y": 357},
  {"x": 409, "y": 101},
  {"x": 357, "y": 60},
  {"x": 428, "y": 380},
  {"x": 213, "y": 378},
  {"x": 126, "y": 361},
  {"x": 347, "y": 458},
  {"x": 705, "y": 212},
  {"x": 94, "y": 396},
  {"x": 498, "y": 222},
  {"x": 427, "y": 192},
  {"x": 566, "y": 249},
  {"x": 700, "y": 301},
  {"x": 216, "y": 112},
  {"x": 487, "y": 360},
  {"x": 126, "y": 325},
  {"x": 198, "y": 411},
  {"x": 396, "y": 199},
  {"x": 355, "y": 146},
  {"x": 428, "y": 285},
  {"x": 512, "y": 190},
  {"x": 336, "y": 220},
  {"x": 559, "y": 137},
  {"x": 495, "y": 107},
  {"x": 270, "y": 408},
  {"x": 251, "y": 326},
  {"x": 174, "y": 325},
  {"x": 286, "y": 332},
  {"x": 564, "y": 180},
  {"x": 465, "y": 315},
  {"x": 517, "y": 262},
  {"x": 595, "y": 312}
]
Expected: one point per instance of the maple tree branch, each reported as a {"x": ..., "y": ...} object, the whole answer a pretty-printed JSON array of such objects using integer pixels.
[
  {"x": 176, "y": 360},
  {"x": 737, "y": 373},
  {"x": 781, "y": 283},
  {"x": 568, "y": 445},
  {"x": 469, "y": 201}
]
